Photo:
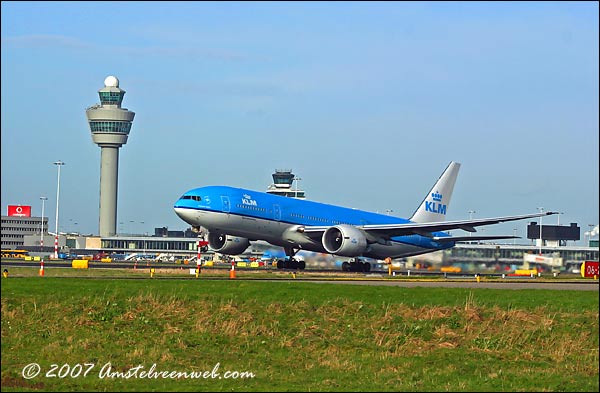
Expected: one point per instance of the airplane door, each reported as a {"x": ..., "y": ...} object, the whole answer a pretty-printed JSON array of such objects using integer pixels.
[
  {"x": 226, "y": 206},
  {"x": 276, "y": 212}
]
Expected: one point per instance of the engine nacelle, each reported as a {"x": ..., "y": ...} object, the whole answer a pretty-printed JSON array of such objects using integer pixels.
[
  {"x": 344, "y": 240},
  {"x": 227, "y": 244}
]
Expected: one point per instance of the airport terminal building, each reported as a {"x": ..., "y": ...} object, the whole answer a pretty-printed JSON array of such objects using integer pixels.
[{"x": 15, "y": 228}]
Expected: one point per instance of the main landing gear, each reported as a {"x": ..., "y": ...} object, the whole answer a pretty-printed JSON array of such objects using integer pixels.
[
  {"x": 290, "y": 262},
  {"x": 356, "y": 265}
]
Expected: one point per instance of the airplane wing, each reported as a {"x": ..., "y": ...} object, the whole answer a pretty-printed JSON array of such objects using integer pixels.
[
  {"x": 445, "y": 239},
  {"x": 387, "y": 231}
]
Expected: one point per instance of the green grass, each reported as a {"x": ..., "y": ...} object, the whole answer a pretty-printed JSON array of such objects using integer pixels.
[{"x": 298, "y": 336}]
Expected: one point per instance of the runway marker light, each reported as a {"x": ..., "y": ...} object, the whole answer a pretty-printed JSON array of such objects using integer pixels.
[
  {"x": 5, "y": 273},
  {"x": 42, "y": 268},
  {"x": 151, "y": 272}
]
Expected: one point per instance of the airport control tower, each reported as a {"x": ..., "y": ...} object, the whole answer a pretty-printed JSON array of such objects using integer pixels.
[
  {"x": 282, "y": 184},
  {"x": 110, "y": 125}
]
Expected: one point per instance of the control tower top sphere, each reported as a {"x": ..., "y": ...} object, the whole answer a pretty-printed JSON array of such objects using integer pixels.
[
  {"x": 111, "y": 81},
  {"x": 109, "y": 122}
]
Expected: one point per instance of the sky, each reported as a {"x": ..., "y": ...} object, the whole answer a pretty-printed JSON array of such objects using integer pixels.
[{"x": 367, "y": 103}]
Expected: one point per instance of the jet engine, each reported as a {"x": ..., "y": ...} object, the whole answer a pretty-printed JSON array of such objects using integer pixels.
[
  {"x": 227, "y": 244},
  {"x": 344, "y": 240}
]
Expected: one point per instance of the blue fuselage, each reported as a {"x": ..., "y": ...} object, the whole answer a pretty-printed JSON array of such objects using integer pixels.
[{"x": 261, "y": 216}]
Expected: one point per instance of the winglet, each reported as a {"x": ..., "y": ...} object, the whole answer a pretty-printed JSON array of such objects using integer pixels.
[{"x": 434, "y": 206}]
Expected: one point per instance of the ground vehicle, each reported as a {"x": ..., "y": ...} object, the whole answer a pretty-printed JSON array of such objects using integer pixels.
[
  {"x": 101, "y": 255},
  {"x": 8, "y": 253}
]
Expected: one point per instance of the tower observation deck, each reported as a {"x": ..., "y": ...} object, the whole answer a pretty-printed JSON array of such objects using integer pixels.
[
  {"x": 110, "y": 125},
  {"x": 282, "y": 184}
]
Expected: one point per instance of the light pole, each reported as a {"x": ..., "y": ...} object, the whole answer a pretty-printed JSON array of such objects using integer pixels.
[
  {"x": 44, "y": 199},
  {"x": 297, "y": 180},
  {"x": 588, "y": 235},
  {"x": 591, "y": 233},
  {"x": 470, "y": 218},
  {"x": 71, "y": 227},
  {"x": 145, "y": 234},
  {"x": 58, "y": 164},
  {"x": 541, "y": 209}
]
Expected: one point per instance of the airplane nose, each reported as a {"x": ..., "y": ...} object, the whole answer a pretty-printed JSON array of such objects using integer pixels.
[{"x": 183, "y": 213}]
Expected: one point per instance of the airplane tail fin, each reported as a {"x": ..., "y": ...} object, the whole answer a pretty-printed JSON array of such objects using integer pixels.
[{"x": 433, "y": 208}]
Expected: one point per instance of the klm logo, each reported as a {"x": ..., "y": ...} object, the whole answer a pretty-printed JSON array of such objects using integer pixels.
[
  {"x": 435, "y": 206},
  {"x": 247, "y": 200}
]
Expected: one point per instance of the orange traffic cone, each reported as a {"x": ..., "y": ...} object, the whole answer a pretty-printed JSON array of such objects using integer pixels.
[{"x": 232, "y": 271}]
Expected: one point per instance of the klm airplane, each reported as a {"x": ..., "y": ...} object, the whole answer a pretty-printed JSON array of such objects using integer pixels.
[{"x": 232, "y": 217}]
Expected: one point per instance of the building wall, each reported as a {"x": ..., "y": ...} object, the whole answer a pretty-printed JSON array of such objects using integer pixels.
[{"x": 14, "y": 229}]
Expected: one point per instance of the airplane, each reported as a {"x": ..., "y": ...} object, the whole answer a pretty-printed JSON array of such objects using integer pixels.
[{"x": 232, "y": 217}]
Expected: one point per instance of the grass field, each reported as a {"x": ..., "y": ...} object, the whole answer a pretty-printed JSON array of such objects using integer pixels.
[{"x": 293, "y": 336}]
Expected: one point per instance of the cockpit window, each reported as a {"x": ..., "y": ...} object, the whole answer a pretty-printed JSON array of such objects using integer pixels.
[{"x": 192, "y": 197}]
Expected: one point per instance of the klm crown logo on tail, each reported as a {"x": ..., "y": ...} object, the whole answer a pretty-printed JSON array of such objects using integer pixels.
[
  {"x": 432, "y": 209},
  {"x": 435, "y": 206}
]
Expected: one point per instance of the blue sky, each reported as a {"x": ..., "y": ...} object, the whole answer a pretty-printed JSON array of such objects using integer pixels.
[{"x": 367, "y": 102}]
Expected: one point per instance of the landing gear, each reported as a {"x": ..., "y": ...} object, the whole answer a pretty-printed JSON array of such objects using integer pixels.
[
  {"x": 356, "y": 265},
  {"x": 290, "y": 262}
]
